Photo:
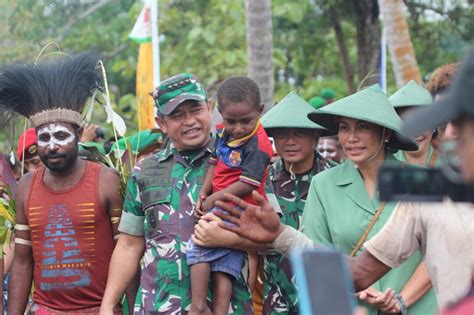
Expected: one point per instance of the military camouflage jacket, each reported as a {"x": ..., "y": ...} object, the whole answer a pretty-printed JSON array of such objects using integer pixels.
[
  {"x": 279, "y": 292},
  {"x": 159, "y": 204}
]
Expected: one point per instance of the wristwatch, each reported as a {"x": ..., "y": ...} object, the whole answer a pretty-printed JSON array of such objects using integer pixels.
[{"x": 401, "y": 303}]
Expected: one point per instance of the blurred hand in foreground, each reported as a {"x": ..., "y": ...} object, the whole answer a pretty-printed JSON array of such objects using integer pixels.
[{"x": 257, "y": 223}]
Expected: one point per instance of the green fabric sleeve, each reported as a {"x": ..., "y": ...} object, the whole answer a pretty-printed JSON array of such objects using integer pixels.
[
  {"x": 133, "y": 217},
  {"x": 132, "y": 224},
  {"x": 314, "y": 221},
  {"x": 132, "y": 202}
]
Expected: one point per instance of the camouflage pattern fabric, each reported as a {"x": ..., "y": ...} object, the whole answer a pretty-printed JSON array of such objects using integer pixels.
[
  {"x": 279, "y": 291},
  {"x": 163, "y": 190}
]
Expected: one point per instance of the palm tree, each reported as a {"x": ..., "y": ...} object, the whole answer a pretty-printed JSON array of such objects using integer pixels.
[
  {"x": 260, "y": 47},
  {"x": 399, "y": 42},
  {"x": 366, "y": 13}
]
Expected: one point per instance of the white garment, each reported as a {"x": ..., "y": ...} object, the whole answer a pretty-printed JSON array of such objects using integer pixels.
[{"x": 444, "y": 232}]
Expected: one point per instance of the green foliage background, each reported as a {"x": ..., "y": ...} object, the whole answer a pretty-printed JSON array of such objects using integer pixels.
[{"x": 208, "y": 38}]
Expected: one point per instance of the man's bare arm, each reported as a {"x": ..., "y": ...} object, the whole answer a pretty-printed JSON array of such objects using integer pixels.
[
  {"x": 21, "y": 273},
  {"x": 122, "y": 270},
  {"x": 262, "y": 225},
  {"x": 417, "y": 286},
  {"x": 112, "y": 200},
  {"x": 109, "y": 190},
  {"x": 366, "y": 269}
]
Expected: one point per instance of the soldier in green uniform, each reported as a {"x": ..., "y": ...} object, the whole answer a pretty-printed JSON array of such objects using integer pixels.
[
  {"x": 413, "y": 95},
  {"x": 158, "y": 217},
  {"x": 295, "y": 138},
  {"x": 343, "y": 208}
]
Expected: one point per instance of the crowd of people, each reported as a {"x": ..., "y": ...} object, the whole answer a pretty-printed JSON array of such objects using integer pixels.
[{"x": 206, "y": 220}]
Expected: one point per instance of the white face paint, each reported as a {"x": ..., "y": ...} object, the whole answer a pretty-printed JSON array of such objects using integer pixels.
[
  {"x": 327, "y": 149},
  {"x": 54, "y": 135}
]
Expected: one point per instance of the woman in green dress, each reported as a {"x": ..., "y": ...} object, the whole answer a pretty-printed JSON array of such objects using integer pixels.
[
  {"x": 413, "y": 95},
  {"x": 342, "y": 207}
]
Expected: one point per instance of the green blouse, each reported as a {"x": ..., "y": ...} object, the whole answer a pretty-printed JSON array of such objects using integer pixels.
[
  {"x": 337, "y": 212},
  {"x": 400, "y": 155}
]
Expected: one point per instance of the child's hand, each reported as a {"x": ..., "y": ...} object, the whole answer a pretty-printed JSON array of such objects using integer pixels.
[
  {"x": 198, "y": 212},
  {"x": 206, "y": 205}
]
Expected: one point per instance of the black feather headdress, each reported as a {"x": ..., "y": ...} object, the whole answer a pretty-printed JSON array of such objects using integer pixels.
[{"x": 52, "y": 90}]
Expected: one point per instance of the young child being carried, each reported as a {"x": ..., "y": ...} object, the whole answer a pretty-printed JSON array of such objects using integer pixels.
[{"x": 239, "y": 165}]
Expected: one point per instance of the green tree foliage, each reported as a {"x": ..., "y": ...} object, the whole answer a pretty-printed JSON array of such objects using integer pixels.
[{"x": 441, "y": 31}]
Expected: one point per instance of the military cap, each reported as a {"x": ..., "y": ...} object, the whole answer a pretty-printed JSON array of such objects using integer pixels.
[{"x": 177, "y": 89}]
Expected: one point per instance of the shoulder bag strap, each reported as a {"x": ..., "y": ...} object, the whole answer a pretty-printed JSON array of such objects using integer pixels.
[{"x": 369, "y": 227}]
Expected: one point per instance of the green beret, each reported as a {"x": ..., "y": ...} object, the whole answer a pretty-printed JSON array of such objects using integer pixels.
[
  {"x": 139, "y": 141},
  {"x": 317, "y": 102},
  {"x": 328, "y": 93},
  {"x": 88, "y": 146}
]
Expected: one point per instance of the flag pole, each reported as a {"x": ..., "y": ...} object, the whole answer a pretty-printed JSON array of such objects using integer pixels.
[
  {"x": 383, "y": 61},
  {"x": 154, "y": 42}
]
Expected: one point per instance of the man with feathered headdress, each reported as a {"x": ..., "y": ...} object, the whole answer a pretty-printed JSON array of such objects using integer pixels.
[{"x": 67, "y": 212}]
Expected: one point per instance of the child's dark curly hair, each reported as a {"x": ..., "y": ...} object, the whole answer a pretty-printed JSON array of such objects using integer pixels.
[{"x": 238, "y": 89}]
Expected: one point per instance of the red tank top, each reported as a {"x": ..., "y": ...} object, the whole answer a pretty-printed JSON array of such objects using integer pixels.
[{"x": 72, "y": 242}]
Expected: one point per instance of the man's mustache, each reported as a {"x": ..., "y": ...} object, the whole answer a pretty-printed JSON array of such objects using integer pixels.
[{"x": 55, "y": 155}]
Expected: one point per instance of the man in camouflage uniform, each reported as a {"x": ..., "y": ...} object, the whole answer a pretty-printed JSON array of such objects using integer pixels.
[
  {"x": 158, "y": 217},
  {"x": 295, "y": 138}
]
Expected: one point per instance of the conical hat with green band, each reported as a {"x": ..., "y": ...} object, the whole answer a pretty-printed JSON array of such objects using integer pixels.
[
  {"x": 371, "y": 105},
  {"x": 411, "y": 94},
  {"x": 290, "y": 112}
]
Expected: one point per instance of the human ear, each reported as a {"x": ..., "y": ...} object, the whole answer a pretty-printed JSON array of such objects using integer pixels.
[
  {"x": 79, "y": 132},
  {"x": 160, "y": 121},
  {"x": 209, "y": 106},
  {"x": 388, "y": 135}
]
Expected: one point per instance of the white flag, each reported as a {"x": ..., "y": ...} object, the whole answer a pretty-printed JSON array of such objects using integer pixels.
[{"x": 141, "y": 32}]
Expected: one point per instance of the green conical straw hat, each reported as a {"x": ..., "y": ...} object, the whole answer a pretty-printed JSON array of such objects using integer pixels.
[
  {"x": 411, "y": 94},
  {"x": 290, "y": 112},
  {"x": 370, "y": 104}
]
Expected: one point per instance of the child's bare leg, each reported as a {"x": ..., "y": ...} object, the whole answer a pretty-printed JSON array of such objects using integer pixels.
[
  {"x": 222, "y": 293},
  {"x": 253, "y": 269},
  {"x": 199, "y": 281}
]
